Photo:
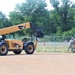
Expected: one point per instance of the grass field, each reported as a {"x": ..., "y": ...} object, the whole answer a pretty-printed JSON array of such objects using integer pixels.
[{"x": 52, "y": 47}]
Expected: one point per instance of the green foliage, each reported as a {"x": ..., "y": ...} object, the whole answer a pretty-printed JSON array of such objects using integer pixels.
[
  {"x": 55, "y": 3},
  {"x": 4, "y": 22},
  {"x": 15, "y": 17},
  {"x": 32, "y": 11},
  {"x": 63, "y": 15},
  {"x": 70, "y": 32},
  {"x": 59, "y": 21}
]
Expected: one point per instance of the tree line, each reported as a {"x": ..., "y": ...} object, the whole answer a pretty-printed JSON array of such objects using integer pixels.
[{"x": 59, "y": 21}]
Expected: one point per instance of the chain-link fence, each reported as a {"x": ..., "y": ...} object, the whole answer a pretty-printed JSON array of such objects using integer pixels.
[{"x": 53, "y": 44}]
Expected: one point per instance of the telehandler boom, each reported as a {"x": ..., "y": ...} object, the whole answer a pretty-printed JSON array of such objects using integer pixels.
[{"x": 18, "y": 45}]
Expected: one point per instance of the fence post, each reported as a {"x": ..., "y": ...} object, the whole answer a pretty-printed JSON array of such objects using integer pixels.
[
  {"x": 44, "y": 46},
  {"x": 54, "y": 44}
]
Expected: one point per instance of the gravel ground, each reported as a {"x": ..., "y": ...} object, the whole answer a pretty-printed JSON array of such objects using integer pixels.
[{"x": 40, "y": 63}]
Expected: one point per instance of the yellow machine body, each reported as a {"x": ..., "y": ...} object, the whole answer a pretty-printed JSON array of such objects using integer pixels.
[
  {"x": 14, "y": 28},
  {"x": 18, "y": 45},
  {"x": 14, "y": 44}
]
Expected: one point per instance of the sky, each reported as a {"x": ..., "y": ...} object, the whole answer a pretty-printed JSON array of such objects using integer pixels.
[{"x": 8, "y": 5}]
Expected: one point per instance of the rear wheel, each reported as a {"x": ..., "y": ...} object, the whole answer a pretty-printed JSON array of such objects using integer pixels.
[
  {"x": 3, "y": 49},
  {"x": 17, "y": 51},
  {"x": 29, "y": 48}
]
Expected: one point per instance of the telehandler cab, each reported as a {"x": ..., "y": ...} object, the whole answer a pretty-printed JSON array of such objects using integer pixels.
[{"x": 18, "y": 45}]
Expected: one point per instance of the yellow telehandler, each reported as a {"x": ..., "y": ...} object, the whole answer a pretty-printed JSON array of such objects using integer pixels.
[{"x": 18, "y": 45}]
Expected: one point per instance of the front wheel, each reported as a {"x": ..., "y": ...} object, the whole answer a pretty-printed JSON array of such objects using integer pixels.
[
  {"x": 29, "y": 48},
  {"x": 3, "y": 49}
]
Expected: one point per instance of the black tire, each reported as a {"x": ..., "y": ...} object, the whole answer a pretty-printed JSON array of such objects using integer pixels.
[
  {"x": 17, "y": 51},
  {"x": 29, "y": 48},
  {"x": 3, "y": 49}
]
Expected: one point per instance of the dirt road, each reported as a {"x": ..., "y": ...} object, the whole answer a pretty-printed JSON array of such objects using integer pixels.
[{"x": 38, "y": 64}]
